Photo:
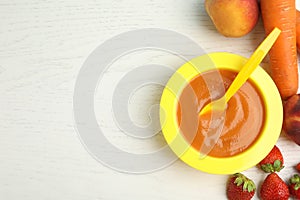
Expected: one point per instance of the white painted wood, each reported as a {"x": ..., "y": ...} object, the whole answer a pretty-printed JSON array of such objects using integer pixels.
[{"x": 43, "y": 45}]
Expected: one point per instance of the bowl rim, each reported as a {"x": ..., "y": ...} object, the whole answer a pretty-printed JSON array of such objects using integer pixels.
[{"x": 215, "y": 165}]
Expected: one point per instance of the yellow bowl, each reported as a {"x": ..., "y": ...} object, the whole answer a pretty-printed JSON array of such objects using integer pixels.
[{"x": 227, "y": 165}]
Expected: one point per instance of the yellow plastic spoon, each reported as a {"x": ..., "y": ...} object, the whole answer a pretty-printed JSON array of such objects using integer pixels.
[{"x": 245, "y": 72}]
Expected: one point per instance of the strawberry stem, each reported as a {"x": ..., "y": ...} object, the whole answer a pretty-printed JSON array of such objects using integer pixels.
[{"x": 248, "y": 184}]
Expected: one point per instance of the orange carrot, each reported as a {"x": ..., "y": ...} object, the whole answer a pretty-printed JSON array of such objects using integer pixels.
[
  {"x": 283, "y": 55},
  {"x": 298, "y": 29}
]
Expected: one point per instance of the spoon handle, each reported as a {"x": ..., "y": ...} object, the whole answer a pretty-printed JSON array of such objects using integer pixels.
[{"x": 252, "y": 63}]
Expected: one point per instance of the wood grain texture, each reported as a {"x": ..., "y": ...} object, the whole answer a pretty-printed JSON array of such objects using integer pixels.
[{"x": 43, "y": 45}]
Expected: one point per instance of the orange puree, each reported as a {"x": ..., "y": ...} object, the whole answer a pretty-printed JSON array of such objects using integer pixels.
[{"x": 220, "y": 134}]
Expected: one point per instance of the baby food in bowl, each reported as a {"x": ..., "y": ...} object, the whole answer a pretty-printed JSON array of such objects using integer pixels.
[
  {"x": 243, "y": 118},
  {"x": 232, "y": 141}
]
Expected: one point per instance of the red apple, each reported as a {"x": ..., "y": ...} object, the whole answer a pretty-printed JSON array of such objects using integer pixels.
[
  {"x": 291, "y": 122},
  {"x": 233, "y": 18}
]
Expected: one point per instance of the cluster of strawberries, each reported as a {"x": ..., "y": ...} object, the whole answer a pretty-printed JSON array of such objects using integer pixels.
[{"x": 273, "y": 187}]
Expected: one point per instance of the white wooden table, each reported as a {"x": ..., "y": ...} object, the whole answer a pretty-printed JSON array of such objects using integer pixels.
[{"x": 43, "y": 45}]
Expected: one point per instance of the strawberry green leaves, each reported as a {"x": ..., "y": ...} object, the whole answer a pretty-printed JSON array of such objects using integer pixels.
[
  {"x": 270, "y": 168},
  {"x": 248, "y": 185}
]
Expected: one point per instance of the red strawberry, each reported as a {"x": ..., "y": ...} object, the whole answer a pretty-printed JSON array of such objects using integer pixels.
[
  {"x": 273, "y": 162},
  {"x": 295, "y": 186},
  {"x": 240, "y": 187},
  {"x": 273, "y": 188},
  {"x": 298, "y": 167}
]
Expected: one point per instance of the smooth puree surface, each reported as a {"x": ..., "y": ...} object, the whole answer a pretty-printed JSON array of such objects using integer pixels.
[{"x": 239, "y": 126}]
